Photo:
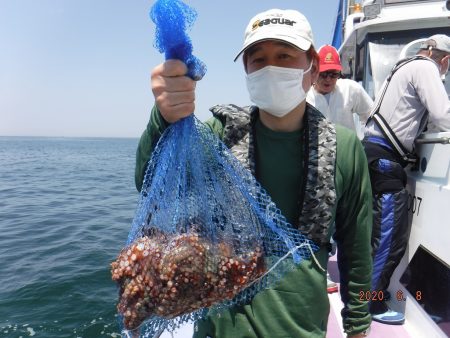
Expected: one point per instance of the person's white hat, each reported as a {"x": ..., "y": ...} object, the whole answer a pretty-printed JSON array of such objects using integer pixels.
[
  {"x": 438, "y": 41},
  {"x": 276, "y": 24}
]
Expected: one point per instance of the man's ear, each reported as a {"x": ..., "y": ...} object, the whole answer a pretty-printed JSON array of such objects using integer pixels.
[
  {"x": 244, "y": 60},
  {"x": 444, "y": 63},
  {"x": 314, "y": 71}
]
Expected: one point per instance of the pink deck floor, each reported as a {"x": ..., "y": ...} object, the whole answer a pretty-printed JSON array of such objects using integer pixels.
[
  {"x": 334, "y": 320},
  {"x": 335, "y": 328}
]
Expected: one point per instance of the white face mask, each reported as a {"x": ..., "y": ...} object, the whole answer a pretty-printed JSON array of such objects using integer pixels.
[{"x": 277, "y": 90}]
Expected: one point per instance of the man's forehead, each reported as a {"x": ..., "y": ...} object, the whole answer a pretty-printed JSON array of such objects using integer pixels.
[{"x": 259, "y": 45}]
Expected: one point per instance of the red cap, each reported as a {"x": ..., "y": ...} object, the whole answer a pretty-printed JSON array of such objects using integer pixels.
[{"x": 329, "y": 59}]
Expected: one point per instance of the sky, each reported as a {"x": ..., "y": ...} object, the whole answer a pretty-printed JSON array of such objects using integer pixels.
[{"x": 82, "y": 68}]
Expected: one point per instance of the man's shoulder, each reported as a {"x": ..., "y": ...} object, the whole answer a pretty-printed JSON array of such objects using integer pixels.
[
  {"x": 348, "y": 83},
  {"x": 354, "y": 92},
  {"x": 345, "y": 138},
  {"x": 229, "y": 109},
  {"x": 231, "y": 113},
  {"x": 420, "y": 64},
  {"x": 345, "y": 133}
]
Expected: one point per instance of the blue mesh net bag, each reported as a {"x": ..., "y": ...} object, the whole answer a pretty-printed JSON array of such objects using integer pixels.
[{"x": 205, "y": 235}]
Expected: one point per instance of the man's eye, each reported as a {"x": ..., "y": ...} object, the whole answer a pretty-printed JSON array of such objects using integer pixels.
[
  {"x": 257, "y": 60},
  {"x": 284, "y": 56}
]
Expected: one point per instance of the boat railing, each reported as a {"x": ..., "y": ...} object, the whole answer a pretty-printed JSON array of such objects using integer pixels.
[{"x": 441, "y": 140}]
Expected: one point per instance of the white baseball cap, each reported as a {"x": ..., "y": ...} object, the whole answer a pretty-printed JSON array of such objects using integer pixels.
[
  {"x": 276, "y": 24},
  {"x": 438, "y": 41}
]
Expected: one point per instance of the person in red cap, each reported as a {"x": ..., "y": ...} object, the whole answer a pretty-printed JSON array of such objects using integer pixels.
[
  {"x": 315, "y": 172},
  {"x": 342, "y": 101}
]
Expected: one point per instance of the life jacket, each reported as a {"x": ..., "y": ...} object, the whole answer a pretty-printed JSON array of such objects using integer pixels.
[{"x": 318, "y": 192}]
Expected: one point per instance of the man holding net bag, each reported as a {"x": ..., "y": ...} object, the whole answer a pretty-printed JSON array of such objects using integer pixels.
[{"x": 315, "y": 173}]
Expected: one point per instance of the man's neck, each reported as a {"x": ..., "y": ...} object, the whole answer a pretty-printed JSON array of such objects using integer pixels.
[{"x": 291, "y": 122}]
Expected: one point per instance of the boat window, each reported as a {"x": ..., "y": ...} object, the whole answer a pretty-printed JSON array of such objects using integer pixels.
[
  {"x": 359, "y": 71},
  {"x": 382, "y": 59},
  {"x": 368, "y": 80},
  {"x": 427, "y": 279},
  {"x": 384, "y": 50}
]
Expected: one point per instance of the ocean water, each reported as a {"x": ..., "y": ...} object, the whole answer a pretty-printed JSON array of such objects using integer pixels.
[{"x": 66, "y": 206}]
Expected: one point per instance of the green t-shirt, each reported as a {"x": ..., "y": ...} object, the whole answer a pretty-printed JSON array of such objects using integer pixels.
[
  {"x": 281, "y": 172},
  {"x": 298, "y": 305}
]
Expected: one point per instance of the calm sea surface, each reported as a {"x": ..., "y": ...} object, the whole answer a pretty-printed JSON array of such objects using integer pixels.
[{"x": 66, "y": 205}]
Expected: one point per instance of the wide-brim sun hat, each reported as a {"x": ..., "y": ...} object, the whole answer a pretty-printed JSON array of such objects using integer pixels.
[{"x": 286, "y": 25}]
